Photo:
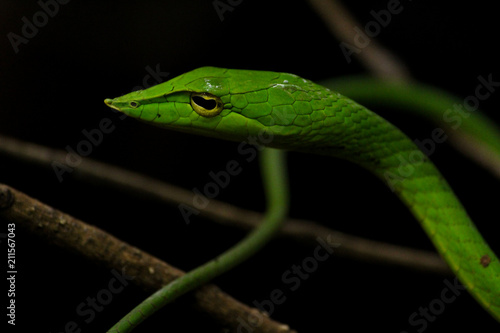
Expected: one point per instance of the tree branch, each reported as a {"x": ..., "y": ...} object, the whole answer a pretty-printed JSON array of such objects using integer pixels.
[
  {"x": 149, "y": 272},
  {"x": 376, "y": 58},
  {"x": 385, "y": 65},
  {"x": 223, "y": 213}
]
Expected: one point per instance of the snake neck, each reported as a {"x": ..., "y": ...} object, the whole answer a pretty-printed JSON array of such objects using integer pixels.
[
  {"x": 359, "y": 135},
  {"x": 368, "y": 140}
]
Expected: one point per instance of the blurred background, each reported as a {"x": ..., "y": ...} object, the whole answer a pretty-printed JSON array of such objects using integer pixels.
[{"x": 53, "y": 88}]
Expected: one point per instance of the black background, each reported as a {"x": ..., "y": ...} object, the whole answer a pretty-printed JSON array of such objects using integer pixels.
[{"x": 54, "y": 88}]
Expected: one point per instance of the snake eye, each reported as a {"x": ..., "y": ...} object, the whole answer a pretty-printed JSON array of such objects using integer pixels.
[
  {"x": 133, "y": 104},
  {"x": 206, "y": 105}
]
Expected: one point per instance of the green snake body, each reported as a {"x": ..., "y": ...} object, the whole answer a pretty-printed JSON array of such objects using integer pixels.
[{"x": 296, "y": 114}]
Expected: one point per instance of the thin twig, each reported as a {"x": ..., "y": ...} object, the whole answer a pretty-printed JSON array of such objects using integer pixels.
[
  {"x": 385, "y": 65},
  {"x": 376, "y": 58},
  {"x": 483, "y": 154},
  {"x": 145, "y": 270},
  {"x": 306, "y": 231}
]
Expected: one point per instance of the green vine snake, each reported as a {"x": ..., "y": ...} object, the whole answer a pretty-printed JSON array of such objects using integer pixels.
[{"x": 296, "y": 114}]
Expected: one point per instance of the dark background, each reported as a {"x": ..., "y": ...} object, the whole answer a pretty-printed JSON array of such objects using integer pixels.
[{"x": 54, "y": 88}]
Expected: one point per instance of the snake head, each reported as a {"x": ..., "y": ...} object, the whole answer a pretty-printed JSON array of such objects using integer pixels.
[{"x": 227, "y": 103}]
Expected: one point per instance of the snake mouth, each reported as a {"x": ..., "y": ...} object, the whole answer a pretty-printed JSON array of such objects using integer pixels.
[{"x": 109, "y": 102}]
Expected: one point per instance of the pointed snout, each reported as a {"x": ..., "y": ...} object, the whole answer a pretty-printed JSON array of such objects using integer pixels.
[{"x": 109, "y": 102}]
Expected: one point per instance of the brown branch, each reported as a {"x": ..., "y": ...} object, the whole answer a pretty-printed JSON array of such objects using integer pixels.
[
  {"x": 484, "y": 155},
  {"x": 384, "y": 64},
  {"x": 376, "y": 58},
  {"x": 149, "y": 272},
  {"x": 306, "y": 231}
]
